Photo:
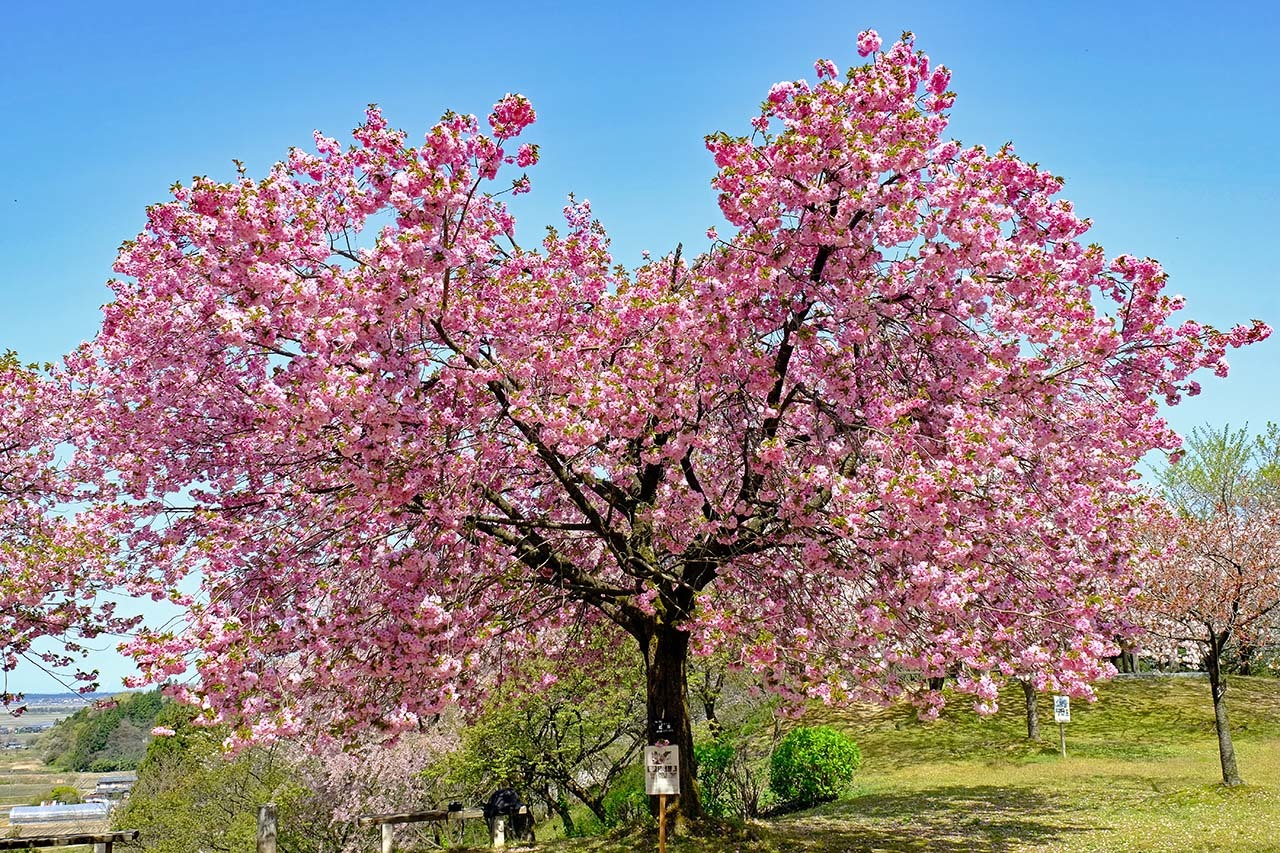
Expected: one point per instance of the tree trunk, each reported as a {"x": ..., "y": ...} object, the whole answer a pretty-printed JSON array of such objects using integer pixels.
[
  {"x": 560, "y": 805},
  {"x": 591, "y": 800},
  {"x": 1218, "y": 684},
  {"x": 713, "y": 722},
  {"x": 709, "y": 692},
  {"x": 666, "y": 664},
  {"x": 1245, "y": 653},
  {"x": 1033, "y": 712}
]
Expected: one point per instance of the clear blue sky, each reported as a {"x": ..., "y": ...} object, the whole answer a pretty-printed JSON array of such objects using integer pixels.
[{"x": 1162, "y": 116}]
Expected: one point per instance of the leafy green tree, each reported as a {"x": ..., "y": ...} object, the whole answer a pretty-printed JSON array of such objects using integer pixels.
[
  {"x": 191, "y": 796},
  {"x": 59, "y": 794},
  {"x": 554, "y": 731},
  {"x": 1223, "y": 468}
]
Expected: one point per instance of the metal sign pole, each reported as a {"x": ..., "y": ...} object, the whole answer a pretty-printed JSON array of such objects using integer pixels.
[{"x": 1062, "y": 716}]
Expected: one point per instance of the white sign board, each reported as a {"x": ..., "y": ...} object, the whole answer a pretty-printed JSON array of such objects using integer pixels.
[
  {"x": 1062, "y": 709},
  {"x": 662, "y": 770}
]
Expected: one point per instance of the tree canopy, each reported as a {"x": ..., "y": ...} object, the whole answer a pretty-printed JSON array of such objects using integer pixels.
[{"x": 1223, "y": 468}]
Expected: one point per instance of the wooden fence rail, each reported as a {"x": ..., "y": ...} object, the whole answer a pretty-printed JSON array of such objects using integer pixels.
[
  {"x": 439, "y": 817},
  {"x": 101, "y": 841}
]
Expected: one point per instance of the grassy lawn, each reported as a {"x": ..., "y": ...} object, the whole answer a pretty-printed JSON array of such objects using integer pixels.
[{"x": 1142, "y": 773}]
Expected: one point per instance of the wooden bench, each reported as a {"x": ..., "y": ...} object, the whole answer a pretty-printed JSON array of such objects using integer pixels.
[
  {"x": 440, "y": 817},
  {"x": 101, "y": 841}
]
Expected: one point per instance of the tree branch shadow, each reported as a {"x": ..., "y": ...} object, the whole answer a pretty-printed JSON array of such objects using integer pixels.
[{"x": 945, "y": 819}]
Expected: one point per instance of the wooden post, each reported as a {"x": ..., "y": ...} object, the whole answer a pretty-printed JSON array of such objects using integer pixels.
[
  {"x": 662, "y": 823},
  {"x": 388, "y": 837},
  {"x": 267, "y": 828},
  {"x": 498, "y": 831},
  {"x": 1062, "y": 738},
  {"x": 102, "y": 847}
]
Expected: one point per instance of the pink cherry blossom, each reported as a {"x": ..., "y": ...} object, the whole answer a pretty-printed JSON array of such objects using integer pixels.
[
  {"x": 868, "y": 42},
  {"x": 781, "y": 91},
  {"x": 526, "y": 156},
  {"x": 54, "y": 565},
  {"x": 939, "y": 80},
  {"x": 511, "y": 116}
]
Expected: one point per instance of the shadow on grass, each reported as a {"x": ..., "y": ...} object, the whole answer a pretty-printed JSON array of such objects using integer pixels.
[{"x": 949, "y": 819}]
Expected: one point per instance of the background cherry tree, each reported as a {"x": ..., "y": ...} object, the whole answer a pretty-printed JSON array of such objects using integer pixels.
[
  {"x": 880, "y": 431},
  {"x": 1212, "y": 585}
]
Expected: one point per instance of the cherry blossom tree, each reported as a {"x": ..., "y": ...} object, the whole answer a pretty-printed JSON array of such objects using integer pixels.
[
  {"x": 882, "y": 430},
  {"x": 340, "y": 785},
  {"x": 1213, "y": 584},
  {"x": 52, "y": 570},
  {"x": 1216, "y": 583}
]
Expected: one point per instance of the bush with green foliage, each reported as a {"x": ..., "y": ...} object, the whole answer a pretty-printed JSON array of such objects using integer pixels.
[
  {"x": 715, "y": 777},
  {"x": 625, "y": 801},
  {"x": 812, "y": 765},
  {"x": 191, "y": 796},
  {"x": 571, "y": 738}
]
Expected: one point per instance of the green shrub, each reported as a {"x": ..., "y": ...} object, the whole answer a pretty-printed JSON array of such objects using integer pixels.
[
  {"x": 812, "y": 765},
  {"x": 716, "y": 779},
  {"x": 626, "y": 801}
]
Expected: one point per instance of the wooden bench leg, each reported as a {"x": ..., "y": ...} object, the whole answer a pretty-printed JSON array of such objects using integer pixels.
[{"x": 388, "y": 838}]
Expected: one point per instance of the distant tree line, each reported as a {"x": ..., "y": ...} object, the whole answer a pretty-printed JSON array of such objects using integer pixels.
[{"x": 110, "y": 735}]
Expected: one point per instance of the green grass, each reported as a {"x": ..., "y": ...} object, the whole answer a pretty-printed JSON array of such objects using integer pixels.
[
  {"x": 1132, "y": 719},
  {"x": 1142, "y": 774}
]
